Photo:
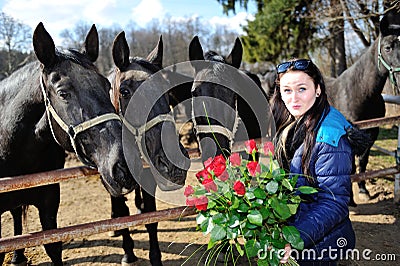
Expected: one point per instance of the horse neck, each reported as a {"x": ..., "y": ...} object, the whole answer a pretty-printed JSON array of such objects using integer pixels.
[
  {"x": 366, "y": 73},
  {"x": 21, "y": 90},
  {"x": 24, "y": 123}
]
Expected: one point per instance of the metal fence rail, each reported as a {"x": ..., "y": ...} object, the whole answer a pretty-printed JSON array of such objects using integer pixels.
[{"x": 87, "y": 229}]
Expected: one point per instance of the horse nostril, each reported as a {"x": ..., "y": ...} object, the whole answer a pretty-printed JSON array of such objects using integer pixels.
[{"x": 121, "y": 176}]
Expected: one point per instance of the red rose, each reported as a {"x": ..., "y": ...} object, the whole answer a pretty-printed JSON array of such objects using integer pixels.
[
  {"x": 269, "y": 148},
  {"x": 208, "y": 162},
  {"x": 190, "y": 201},
  {"x": 254, "y": 168},
  {"x": 209, "y": 184},
  {"x": 203, "y": 174},
  {"x": 218, "y": 165},
  {"x": 251, "y": 146},
  {"x": 188, "y": 191},
  {"x": 235, "y": 159},
  {"x": 224, "y": 176},
  {"x": 201, "y": 203},
  {"x": 239, "y": 188}
]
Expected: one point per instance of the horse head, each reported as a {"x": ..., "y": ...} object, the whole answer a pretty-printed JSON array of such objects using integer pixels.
[
  {"x": 214, "y": 100},
  {"x": 389, "y": 48},
  {"x": 140, "y": 91},
  {"x": 79, "y": 113}
]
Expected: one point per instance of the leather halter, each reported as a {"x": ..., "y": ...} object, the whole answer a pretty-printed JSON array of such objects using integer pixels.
[
  {"x": 387, "y": 66},
  {"x": 73, "y": 130},
  {"x": 137, "y": 131},
  {"x": 212, "y": 129}
]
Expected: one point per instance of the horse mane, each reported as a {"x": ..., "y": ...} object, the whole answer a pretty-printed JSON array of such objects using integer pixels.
[
  {"x": 144, "y": 63},
  {"x": 76, "y": 57}
]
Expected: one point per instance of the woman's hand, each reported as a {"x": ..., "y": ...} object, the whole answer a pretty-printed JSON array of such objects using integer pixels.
[{"x": 286, "y": 256}]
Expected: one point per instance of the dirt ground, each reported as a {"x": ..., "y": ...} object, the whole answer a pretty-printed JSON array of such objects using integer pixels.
[{"x": 376, "y": 223}]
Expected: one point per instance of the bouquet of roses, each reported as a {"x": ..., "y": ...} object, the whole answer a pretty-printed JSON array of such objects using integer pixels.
[{"x": 244, "y": 204}]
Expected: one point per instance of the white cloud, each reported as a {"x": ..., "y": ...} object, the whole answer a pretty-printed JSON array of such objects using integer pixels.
[
  {"x": 147, "y": 10},
  {"x": 234, "y": 23},
  {"x": 58, "y": 15}
]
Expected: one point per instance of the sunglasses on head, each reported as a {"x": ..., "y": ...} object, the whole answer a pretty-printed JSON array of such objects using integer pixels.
[{"x": 301, "y": 64}]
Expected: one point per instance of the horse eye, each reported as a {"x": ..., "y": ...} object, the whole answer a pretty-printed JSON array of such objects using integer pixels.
[
  {"x": 387, "y": 48},
  {"x": 125, "y": 93},
  {"x": 63, "y": 94}
]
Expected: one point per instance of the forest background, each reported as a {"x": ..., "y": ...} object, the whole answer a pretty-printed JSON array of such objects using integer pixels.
[{"x": 334, "y": 33}]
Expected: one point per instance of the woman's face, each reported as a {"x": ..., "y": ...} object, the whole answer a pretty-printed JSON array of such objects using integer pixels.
[{"x": 298, "y": 92}]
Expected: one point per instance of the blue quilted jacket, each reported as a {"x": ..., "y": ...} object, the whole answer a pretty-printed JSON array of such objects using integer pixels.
[{"x": 323, "y": 220}]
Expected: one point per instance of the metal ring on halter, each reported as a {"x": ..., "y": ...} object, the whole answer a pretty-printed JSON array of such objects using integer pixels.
[
  {"x": 71, "y": 130},
  {"x": 211, "y": 129}
]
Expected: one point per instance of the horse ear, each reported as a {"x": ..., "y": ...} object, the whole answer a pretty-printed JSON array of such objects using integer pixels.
[
  {"x": 195, "y": 50},
  {"x": 91, "y": 46},
  {"x": 120, "y": 51},
  {"x": 235, "y": 57},
  {"x": 156, "y": 56},
  {"x": 390, "y": 23},
  {"x": 43, "y": 46}
]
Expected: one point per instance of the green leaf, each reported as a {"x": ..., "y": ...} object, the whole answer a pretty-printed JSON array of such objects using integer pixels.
[
  {"x": 293, "y": 208},
  {"x": 200, "y": 218},
  {"x": 252, "y": 248},
  {"x": 239, "y": 249},
  {"x": 217, "y": 233},
  {"x": 228, "y": 195},
  {"x": 200, "y": 192},
  {"x": 307, "y": 190},
  {"x": 262, "y": 262},
  {"x": 251, "y": 226},
  {"x": 250, "y": 195},
  {"x": 235, "y": 203},
  {"x": 234, "y": 221},
  {"x": 272, "y": 187},
  {"x": 210, "y": 226},
  {"x": 292, "y": 235},
  {"x": 286, "y": 184},
  {"x": 232, "y": 233},
  {"x": 282, "y": 210},
  {"x": 248, "y": 233},
  {"x": 219, "y": 218},
  {"x": 264, "y": 213},
  {"x": 255, "y": 217},
  {"x": 211, "y": 204},
  {"x": 293, "y": 180},
  {"x": 259, "y": 193},
  {"x": 243, "y": 207},
  {"x": 275, "y": 233}
]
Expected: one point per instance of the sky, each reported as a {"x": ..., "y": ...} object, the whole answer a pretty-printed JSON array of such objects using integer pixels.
[{"x": 64, "y": 14}]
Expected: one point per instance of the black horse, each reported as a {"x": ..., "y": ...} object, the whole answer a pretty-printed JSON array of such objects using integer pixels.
[
  {"x": 357, "y": 91},
  {"x": 58, "y": 103},
  {"x": 141, "y": 96},
  {"x": 228, "y": 104}
]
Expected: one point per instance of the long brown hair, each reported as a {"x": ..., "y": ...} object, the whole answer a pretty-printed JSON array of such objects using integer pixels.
[{"x": 311, "y": 119}]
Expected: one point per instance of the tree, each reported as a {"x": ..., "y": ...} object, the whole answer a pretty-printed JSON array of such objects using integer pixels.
[
  {"x": 15, "y": 38},
  {"x": 281, "y": 29},
  {"x": 299, "y": 28}
]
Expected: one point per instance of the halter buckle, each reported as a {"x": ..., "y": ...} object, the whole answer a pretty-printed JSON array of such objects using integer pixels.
[{"x": 71, "y": 132}]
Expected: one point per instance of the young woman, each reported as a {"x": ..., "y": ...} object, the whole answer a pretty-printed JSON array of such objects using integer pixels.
[{"x": 315, "y": 141}]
